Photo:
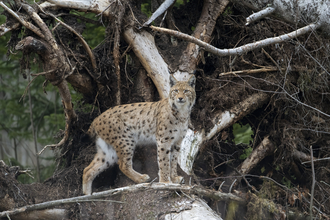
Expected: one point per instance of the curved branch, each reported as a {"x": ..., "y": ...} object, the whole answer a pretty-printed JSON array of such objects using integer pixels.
[{"x": 244, "y": 48}]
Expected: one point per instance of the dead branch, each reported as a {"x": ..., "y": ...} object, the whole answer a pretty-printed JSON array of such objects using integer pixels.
[
  {"x": 301, "y": 156},
  {"x": 203, "y": 32},
  {"x": 244, "y": 48},
  {"x": 116, "y": 54},
  {"x": 265, "y": 148},
  {"x": 313, "y": 185},
  {"x": 315, "y": 160},
  {"x": 97, "y": 6},
  {"x": 130, "y": 189},
  {"x": 259, "y": 15},
  {"x": 143, "y": 45},
  {"x": 162, "y": 8},
  {"x": 239, "y": 111},
  {"x": 266, "y": 69}
]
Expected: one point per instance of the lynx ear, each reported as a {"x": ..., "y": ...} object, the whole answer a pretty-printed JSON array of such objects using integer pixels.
[
  {"x": 173, "y": 81},
  {"x": 192, "y": 81}
]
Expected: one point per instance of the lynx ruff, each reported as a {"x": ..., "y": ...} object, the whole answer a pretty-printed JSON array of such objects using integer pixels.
[{"x": 119, "y": 129}]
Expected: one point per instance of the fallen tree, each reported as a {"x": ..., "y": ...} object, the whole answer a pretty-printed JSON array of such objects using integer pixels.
[{"x": 60, "y": 67}]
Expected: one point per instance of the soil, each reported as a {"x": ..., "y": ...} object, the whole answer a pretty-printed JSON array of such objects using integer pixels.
[{"x": 291, "y": 124}]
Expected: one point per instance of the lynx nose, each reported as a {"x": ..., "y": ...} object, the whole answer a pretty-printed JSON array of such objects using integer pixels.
[{"x": 180, "y": 99}]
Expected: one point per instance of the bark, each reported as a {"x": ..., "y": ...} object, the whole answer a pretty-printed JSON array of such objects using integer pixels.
[
  {"x": 144, "y": 47},
  {"x": 265, "y": 148}
]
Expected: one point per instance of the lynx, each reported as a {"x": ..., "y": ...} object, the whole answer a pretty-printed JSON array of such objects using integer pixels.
[{"x": 119, "y": 129}]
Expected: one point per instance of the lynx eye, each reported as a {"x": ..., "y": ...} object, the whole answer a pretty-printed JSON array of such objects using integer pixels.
[
  {"x": 175, "y": 90},
  {"x": 186, "y": 91}
]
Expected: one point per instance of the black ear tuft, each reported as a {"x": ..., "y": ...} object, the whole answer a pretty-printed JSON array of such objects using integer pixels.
[
  {"x": 173, "y": 81},
  {"x": 192, "y": 81}
]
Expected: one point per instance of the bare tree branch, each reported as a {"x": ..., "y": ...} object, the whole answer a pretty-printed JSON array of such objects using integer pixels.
[
  {"x": 242, "y": 49},
  {"x": 259, "y": 15}
]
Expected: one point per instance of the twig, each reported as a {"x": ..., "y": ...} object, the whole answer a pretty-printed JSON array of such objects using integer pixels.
[
  {"x": 314, "y": 160},
  {"x": 242, "y": 49},
  {"x": 27, "y": 88},
  {"x": 258, "y": 15},
  {"x": 231, "y": 186},
  {"x": 83, "y": 42},
  {"x": 43, "y": 73},
  {"x": 313, "y": 186},
  {"x": 271, "y": 58},
  {"x": 129, "y": 189},
  {"x": 249, "y": 71}
]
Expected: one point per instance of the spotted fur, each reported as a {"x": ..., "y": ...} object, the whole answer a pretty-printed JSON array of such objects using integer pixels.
[{"x": 119, "y": 129}]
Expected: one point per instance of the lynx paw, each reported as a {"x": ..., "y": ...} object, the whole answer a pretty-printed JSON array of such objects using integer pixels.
[
  {"x": 177, "y": 179},
  {"x": 144, "y": 178}
]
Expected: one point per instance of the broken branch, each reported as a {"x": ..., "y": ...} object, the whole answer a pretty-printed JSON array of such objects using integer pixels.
[
  {"x": 258, "y": 15},
  {"x": 265, "y": 148}
]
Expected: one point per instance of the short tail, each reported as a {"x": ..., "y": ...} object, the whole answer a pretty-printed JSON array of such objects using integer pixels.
[
  {"x": 89, "y": 135},
  {"x": 91, "y": 131}
]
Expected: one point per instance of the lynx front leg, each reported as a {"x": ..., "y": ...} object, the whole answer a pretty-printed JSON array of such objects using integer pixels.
[
  {"x": 164, "y": 162},
  {"x": 175, "y": 151}
]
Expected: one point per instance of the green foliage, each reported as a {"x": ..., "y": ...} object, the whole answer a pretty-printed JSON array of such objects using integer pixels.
[
  {"x": 263, "y": 169},
  {"x": 242, "y": 134},
  {"x": 146, "y": 8},
  {"x": 15, "y": 114},
  {"x": 178, "y": 3},
  {"x": 228, "y": 11},
  {"x": 286, "y": 182},
  {"x": 246, "y": 152}
]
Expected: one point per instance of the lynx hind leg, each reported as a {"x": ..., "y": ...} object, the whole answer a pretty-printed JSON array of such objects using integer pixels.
[
  {"x": 126, "y": 166},
  {"x": 175, "y": 151},
  {"x": 105, "y": 157}
]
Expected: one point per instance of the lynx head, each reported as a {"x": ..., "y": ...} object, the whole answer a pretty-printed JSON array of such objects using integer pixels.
[{"x": 182, "y": 93}]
